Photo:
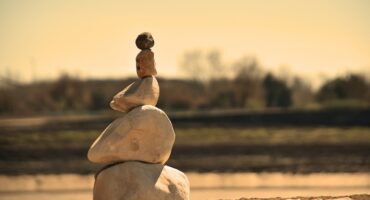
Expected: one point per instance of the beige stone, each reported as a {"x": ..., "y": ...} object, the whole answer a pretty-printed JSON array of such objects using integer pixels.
[
  {"x": 145, "y": 64},
  {"x": 144, "y": 134},
  {"x": 141, "y": 181},
  {"x": 141, "y": 92}
]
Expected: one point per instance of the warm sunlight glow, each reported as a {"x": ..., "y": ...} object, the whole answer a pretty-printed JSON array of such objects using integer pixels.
[{"x": 95, "y": 39}]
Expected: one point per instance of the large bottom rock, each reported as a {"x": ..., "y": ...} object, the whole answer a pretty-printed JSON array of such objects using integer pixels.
[{"x": 141, "y": 181}]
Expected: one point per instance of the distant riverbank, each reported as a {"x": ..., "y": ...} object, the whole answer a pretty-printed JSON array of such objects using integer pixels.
[{"x": 202, "y": 149}]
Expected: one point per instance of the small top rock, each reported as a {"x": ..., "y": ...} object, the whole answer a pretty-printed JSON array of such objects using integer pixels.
[{"x": 144, "y": 41}]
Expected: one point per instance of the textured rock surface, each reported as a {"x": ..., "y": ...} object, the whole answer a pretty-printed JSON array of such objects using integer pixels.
[
  {"x": 144, "y": 41},
  {"x": 144, "y": 134},
  {"x": 141, "y": 181},
  {"x": 145, "y": 64},
  {"x": 141, "y": 92}
]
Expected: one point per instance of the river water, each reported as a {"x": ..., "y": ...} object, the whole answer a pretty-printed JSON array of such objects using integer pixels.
[{"x": 203, "y": 185}]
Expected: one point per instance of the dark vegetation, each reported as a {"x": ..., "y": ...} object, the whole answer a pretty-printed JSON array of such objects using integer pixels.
[
  {"x": 243, "y": 86},
  {"x": 69, "y": 94}
]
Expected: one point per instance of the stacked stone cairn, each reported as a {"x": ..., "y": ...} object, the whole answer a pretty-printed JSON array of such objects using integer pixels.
[{"x": 135, "y": 147}]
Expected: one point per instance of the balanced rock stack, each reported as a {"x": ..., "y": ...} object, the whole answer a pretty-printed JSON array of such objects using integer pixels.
[{"x": 136, "y": 146}]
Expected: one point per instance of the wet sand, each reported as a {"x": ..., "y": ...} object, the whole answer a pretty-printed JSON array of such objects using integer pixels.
[{"x": 203, "y": 185}]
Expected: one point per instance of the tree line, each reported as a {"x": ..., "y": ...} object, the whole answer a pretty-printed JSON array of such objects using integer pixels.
[{"x": 210, "y": 87}]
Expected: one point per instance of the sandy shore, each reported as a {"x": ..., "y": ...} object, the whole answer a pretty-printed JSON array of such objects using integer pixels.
[{"x": 203, "y": 186}]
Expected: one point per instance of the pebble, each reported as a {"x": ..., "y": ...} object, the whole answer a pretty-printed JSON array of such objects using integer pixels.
[{"x": 144, "y": 41}]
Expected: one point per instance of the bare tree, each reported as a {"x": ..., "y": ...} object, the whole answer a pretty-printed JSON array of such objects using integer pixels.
[{"x": 248, "y": 82}]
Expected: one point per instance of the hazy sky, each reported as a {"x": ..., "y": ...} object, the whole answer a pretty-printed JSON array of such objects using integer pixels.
[{"x": 41, "y": 38}]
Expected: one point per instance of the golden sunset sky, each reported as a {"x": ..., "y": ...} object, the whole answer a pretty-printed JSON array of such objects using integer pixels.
[{"x": 39, "y": 39}]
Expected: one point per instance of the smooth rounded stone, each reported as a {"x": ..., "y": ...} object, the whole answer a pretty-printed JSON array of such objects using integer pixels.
[
  {"x": 145, "y": 64},
  {"x": 141, "y": 92},
  {"x": 143, "y": 134},
  {"x": 144, "y": 41},
  {"x": 141, "y": 181}
]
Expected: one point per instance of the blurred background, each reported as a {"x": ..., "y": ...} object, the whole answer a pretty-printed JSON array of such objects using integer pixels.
[{"x": 267, "y": 98}]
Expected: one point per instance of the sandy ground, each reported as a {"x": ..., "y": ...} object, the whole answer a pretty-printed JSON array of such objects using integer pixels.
[
  {"x": 204, "y": 194},
  {"x": 203, "y": 185}
]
